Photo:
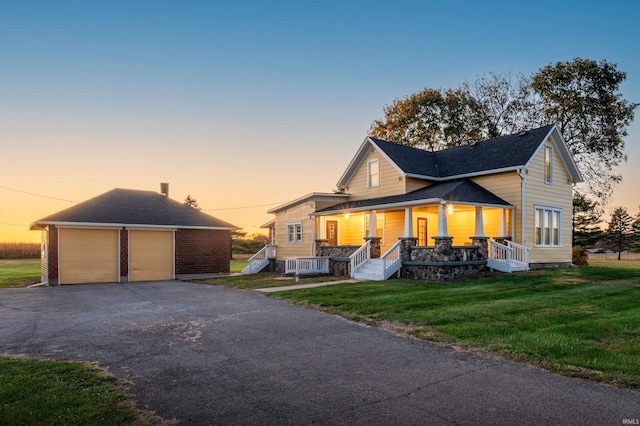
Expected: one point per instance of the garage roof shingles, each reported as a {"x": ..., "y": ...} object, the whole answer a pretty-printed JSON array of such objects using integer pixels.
[{"x": 134, "y": 207}]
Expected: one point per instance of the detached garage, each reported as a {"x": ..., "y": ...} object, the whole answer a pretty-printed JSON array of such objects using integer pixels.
[{"x": 127, "y": 235}]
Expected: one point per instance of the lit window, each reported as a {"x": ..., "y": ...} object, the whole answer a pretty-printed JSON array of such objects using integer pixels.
[
  {"x": 294, "y": 232},
  {"x": 373, "y": 174},
  {"x": 548, "y": 164},
  {"x": 547, "y": 226}
]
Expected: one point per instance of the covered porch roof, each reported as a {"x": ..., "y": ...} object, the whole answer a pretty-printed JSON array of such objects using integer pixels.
[{"x": 462, "y": 191}]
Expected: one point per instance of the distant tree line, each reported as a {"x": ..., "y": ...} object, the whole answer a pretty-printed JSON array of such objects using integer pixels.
[{"x": 14, "y": 250}]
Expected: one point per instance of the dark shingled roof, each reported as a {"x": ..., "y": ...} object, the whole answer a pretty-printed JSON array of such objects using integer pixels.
[
  {"x": 132, "y": 207},
  {"x": 492, "y": 154},
  {"x": 461, "y": 191}
]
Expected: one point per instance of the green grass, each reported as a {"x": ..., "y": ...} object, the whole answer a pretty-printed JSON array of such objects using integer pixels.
[
  {"x": 238, "y": 265},
  {"x": 576, "y": 321},
  {"x": 19, "y": 272},
  {"x": 51, "y": 393}
]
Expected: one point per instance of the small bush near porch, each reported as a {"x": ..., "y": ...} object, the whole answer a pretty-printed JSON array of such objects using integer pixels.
[{"x": 581, "y": 322}]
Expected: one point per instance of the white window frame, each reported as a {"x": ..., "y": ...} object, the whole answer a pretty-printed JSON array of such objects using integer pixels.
[
  {"x": 370, "y": 181},
  {"x": 548, "y": 151},
  {"x": 294, "y": 232},
  {"x": 542, "y": 215}
]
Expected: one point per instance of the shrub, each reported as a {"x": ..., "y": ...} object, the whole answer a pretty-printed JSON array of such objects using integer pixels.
[{"x": 579, "y": 256}]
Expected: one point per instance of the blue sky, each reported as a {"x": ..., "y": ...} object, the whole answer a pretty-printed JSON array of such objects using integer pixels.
[{"x": 251, "y": 103}]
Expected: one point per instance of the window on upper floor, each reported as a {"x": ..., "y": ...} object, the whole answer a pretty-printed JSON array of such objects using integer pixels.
[
  {"x": 548, "y": 164},
  {"x": 547, "y": 226},
  {"x": 373, "y": 173},
  {"x": 294, "y": 232}
]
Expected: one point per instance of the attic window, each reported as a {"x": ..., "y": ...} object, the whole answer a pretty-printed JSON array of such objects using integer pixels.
[
  {"x": 548, "y": 164},
  {"x": 373, "y": 174}
]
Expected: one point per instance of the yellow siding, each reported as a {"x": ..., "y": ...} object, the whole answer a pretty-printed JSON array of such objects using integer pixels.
[
  {"x": 508, "y": 187},
  {"x": 391, "y": 181},
  {"x": 88, "y": 255},
  {"x": 393, "y": 229},
  {"x": 558, "y": 195},
  {"x": 150, "y": 255},
  {"x": 412, "y": 184},
  {"x": 296, "y": 214}
]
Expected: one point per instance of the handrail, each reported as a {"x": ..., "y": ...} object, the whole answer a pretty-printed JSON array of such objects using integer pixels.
[
  {"x": 390, "y": 260},
  {"x": 360, "y": 256},
  {"x": 520, "y": 253},
  {"x": 306, "y": 265},
  {"x": 260, "y": 259},
  {"x": 501, "y": 254}
]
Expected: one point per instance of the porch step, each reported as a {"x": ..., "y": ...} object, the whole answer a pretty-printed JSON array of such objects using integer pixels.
[{"x": 372, "y": 270}]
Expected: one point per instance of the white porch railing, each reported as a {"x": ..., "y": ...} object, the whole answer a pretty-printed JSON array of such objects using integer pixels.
[
  {"x": 360, "y": 257},
  {"x": 391, "y": 260},
  {"x": 520, "y": 253},
  {"x": 259, "y": 260},
  {"x": 508, "y": 258},
  {"x": 306, "y": 265}
]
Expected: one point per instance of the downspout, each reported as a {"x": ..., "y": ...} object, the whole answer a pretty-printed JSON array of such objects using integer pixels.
[
  {"x": 35, "y": 227},
  {"x": 522, "y": 204}
]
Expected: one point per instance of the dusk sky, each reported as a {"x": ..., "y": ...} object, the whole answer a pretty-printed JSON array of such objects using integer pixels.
[{"x": 250, "y": 103}]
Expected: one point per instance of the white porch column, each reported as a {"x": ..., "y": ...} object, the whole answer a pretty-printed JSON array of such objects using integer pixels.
[
  {"x": 479, "y": 222},
  {"x": 318, "y": 222},
  {"x": 372, "y": 223},
  {"x": 408, "y": 222},
  {"x": 442, "y": 220},
  {"x": 502, "y": 223}
]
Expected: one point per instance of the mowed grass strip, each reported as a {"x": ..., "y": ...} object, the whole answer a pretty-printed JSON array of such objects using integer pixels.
[
  {"x": 19, "y": 272},
  {"x": 46, "y": 392},
  {"x": 264, "y": 280},
  {"x": 577, "y": 321}
]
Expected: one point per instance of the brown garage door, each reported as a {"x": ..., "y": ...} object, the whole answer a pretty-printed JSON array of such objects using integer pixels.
[
  {"x": 150, "y": 255},
  {"x": 88, "y": 255}
]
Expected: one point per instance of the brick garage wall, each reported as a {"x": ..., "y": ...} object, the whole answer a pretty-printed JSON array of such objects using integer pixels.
[
  {"x": 52, "y": 234},
  {"x": 203, "y": 251}
]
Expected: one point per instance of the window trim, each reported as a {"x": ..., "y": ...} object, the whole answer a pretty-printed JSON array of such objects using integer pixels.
[
  {"x": 541, "y": 214},
  {"x": 297, "y": 232},
  {"x": 548, "y": 177},
  {"x": 370, "y": 183}
]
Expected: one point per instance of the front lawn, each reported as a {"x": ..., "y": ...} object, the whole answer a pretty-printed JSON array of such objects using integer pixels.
[
  {"x": 19, "y": 272},
  {"x": 577, "y": 321},
  {"x": 264, "y": 280},
  {"x": 48, "y": 393}
]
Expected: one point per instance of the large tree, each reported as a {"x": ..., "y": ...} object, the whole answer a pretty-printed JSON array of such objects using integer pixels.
[
  {"x": 635, "y": 238},
  {"x": 192, "y": 202},
  {"x": 582, "y": 96},
  {"x": 620, "y": 230}
]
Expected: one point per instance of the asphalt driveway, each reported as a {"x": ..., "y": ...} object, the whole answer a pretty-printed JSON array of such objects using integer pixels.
[{"x": 213, "y": 355}]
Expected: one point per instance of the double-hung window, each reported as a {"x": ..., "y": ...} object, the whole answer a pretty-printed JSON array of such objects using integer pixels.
[
  {"x": 547, "y": 226},
  {"x": 294, "y": 232},
  {"x": 373, "y": 173}
]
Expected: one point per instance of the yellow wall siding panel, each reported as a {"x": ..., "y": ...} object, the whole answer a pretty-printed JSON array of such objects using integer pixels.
[
  {"x": 507, "y": 186},
  {"x": 558, "y": 195},
  {"x": 296, "y": 214},
  {"x": 394, "y": 229},
  {"x": 88, "y": 255},
  {"x": 391, "y": 181},
  {"x": 150, "y": 255}
]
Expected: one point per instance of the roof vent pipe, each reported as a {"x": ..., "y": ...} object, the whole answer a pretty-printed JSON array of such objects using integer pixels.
[{"x": 164, "y": 189}]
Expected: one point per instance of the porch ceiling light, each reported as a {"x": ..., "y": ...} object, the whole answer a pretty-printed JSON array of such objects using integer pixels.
[
  {"x": 346, "y": 215},
  {"x": 450, "y": 209}
]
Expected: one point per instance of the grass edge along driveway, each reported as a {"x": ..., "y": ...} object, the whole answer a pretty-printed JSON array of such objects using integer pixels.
[{"x": 582, "y": 322}]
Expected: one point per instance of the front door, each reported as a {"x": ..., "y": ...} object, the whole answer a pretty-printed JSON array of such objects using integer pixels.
[
  {"x": 332, "y": 232},
  {"x": 422, "y": 231}
]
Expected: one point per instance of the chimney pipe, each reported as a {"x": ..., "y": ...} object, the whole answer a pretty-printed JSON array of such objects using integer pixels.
[{"x": 164, "y": 189}]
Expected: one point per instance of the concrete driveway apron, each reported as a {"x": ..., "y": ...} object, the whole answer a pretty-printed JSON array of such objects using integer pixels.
[{"x": 213, "y": 355}]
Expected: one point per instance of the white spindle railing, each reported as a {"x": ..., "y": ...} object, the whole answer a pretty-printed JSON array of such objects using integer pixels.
[
  {"x": 500, "y": 255},
  {"x": 360, "y": 256},
  {"x": 306, "y": 265},
  {"x": 260, "y": 259},
  {"x": 520, "y": 253},
  {"x": 391, "y": 260}
]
